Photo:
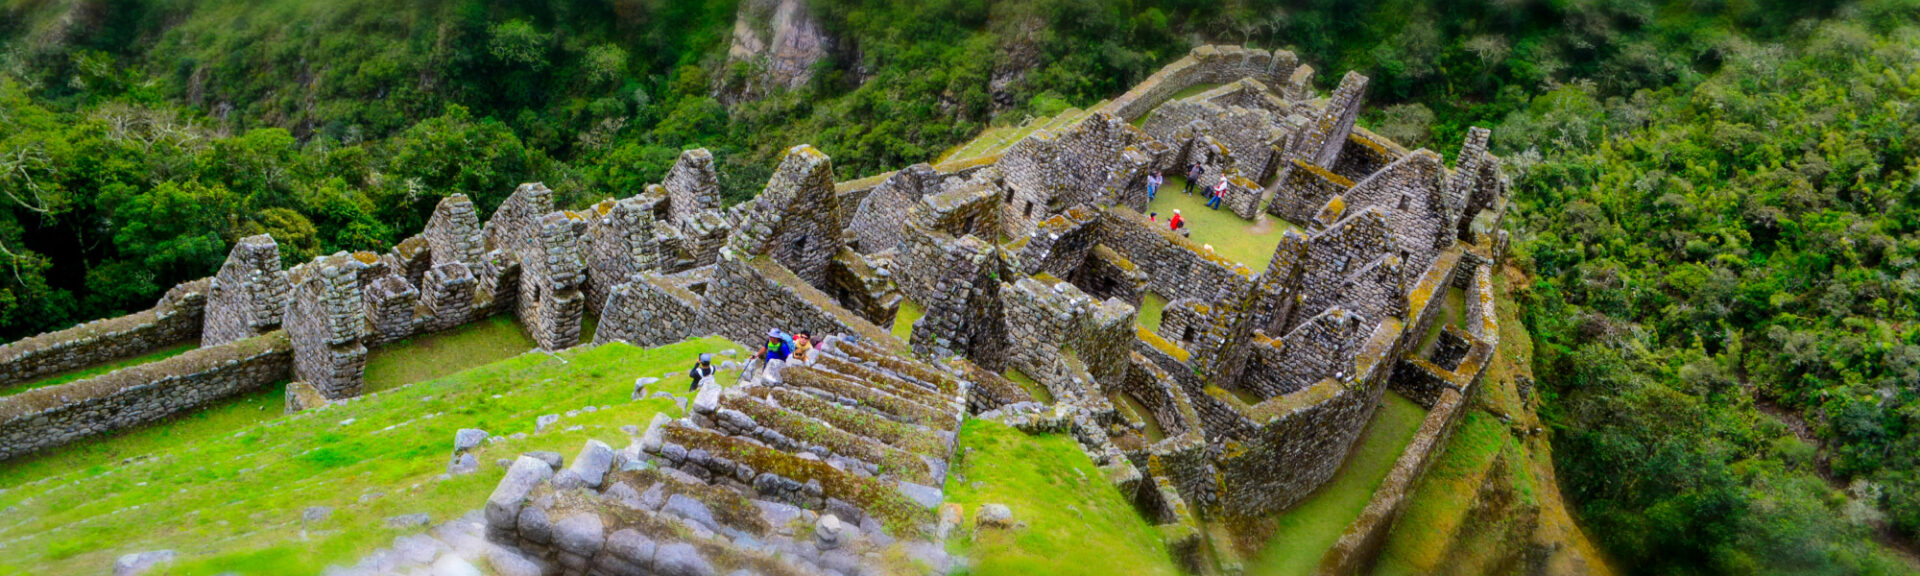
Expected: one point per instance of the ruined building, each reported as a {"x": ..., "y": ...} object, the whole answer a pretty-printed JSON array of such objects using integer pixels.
[{"x": 1246, "y": 398}]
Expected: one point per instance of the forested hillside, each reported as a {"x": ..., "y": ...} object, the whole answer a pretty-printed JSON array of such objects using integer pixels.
[{"x": 1715, "y": 198}]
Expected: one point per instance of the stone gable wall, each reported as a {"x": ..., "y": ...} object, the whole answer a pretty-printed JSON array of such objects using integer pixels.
[{"x": 248, "y": 297}]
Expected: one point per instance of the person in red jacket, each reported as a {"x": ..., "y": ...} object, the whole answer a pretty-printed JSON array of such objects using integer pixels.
[{"x": 1174, "y": 222}]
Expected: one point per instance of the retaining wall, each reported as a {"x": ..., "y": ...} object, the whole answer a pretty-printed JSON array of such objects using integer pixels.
[
  {"x": 176, "y": 318},
  {"x": 47, "y": 417}
]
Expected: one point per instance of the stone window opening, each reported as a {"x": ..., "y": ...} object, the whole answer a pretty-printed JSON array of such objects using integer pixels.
[
  {"x": 1188, "y": 336},
  {"x": 1029, "y": 209},
  {"x": 1403, "y": 202},
  {"x": 800, "y": 245}
]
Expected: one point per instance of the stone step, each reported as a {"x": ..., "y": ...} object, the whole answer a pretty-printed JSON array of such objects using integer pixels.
[
  {"x": 842, "y": 390},
  {"x": 904, "y": 508},
  {"x": 910, "y": 437},
  {"x": 794, "y": 432},
  {"x": 918, "y": 392},
  {"x": 615, "y": 532},
  {"x": 947, "y": 384}
]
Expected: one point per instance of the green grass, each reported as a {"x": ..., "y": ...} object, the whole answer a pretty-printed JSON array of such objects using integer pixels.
[
  {"x": 903, "y": 320},
  {"x": 1034, "y": 388},
  {"x": 1076, "y": 523},
  {"x": 1183, "y": 93},
  {"x": 1151, "y": 305},
  {"x": 1247, "y": 242},
  {"x": 96, "y": 370},
  {"x": 998, "y": 139},
  {"x": 1419, "y": 541},
  {"x": 1305, "y": 532},
  {"x": 230, "y": 500},
  {"x": 1452, "y": 311},
  {"x": 430, "y": 356}
]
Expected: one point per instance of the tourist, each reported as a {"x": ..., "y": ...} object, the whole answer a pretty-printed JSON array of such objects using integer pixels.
[
  {"x": 1153, "y": 216},
  {"x": 1153, "y": 184},
  {"x": 779, "y": 346},
  {"x": 700, "y": 372},
  {"x": 1219, "y": 193},
  {"x": 803, "y": 347},
  {"x": 1176, "y": 221},
  {"x": 1194, "y": 172},
  {"x": 1182, "y": 229}
]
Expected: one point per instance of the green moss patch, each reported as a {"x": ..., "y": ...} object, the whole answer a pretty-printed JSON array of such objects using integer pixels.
[
  {"x": 1075, "y": 522},
  {"x": 1302, "y": 534}
]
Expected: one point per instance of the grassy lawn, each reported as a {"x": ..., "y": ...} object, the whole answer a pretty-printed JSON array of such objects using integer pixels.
[
  {"x": 903, "y": 320},
  {"x": 1040, "y": 393},
  {"x": 230, "y": 500},
  {"x": 1452, "y": 311},
  {"x": 1248, "y": 242},
  {"x": 1188, "y": 91},
  {"x": 96, "y": 370},
  {"x": 1303, "y": 533},
  {"x": 1151, "y": 305},
  {"x": 430, "y": 356},
  {"x": 1076, "y": 523},
  {"x": 1419, "y": 541}
]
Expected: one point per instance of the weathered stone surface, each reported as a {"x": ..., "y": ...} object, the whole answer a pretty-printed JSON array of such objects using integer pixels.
[
  {"x": 993, "y": 516},
  {"x": 592, "y": 462},
  {"x": 141, "y": 562}
]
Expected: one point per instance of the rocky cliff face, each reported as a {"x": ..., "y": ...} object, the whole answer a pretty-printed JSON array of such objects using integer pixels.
[{"x": 776, "y": 43}]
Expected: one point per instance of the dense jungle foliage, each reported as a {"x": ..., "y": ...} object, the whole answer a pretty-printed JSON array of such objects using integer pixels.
[{"x": 1715, "y": 198}]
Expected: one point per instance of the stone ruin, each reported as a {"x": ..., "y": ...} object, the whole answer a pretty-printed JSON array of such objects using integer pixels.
[{"x": 1246, "y": 399}]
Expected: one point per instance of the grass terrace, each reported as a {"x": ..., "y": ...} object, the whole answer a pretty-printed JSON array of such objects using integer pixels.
[
  {"x": 430, "y": 356},
  {"x": 98, "y": 369},
  {"x": 1441, "y": 502},
  {"x": 1303, "y": 533},
  {"x": 226, "y": 488},
  {"x": 1151, "y": 306},
  {"x": 1075, "y": 522},
  {"x": 1248, "y": 242},
  {"x": 909, "y": 313}
]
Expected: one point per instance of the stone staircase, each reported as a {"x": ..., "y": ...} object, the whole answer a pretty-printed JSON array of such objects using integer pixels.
[{"x": 833, "y": 467}]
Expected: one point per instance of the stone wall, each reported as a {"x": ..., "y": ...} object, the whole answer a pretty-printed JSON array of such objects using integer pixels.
[
  {"x": 793, "y": 220},
  {"x": 1049, "y": 173},
  {"x": 650, "y": 311},
  {"x": 1210, "y": 65},
  {"x": 326, "y": 324},
  {"x": 883, "y": 212},
  {"x": 176, "y": 318},
  {"x": 453, "y": 233},
  {"x": 619, "y": 243},
  {"x": 692, "y": 185},
  {"x": 248, "y": 296},
  {"x": 759, "y": 295},
  {"x": 1176, "y": 267},
  {"x": 1363, "y": 539},
  {"x": 1303, "y": 189},
  {"x": 1410, "y": 191},
  {"x": 48, "y": 417}
]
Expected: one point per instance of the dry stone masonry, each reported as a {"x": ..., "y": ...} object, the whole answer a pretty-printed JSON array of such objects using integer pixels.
[{"x": 1245, "y": 400}]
